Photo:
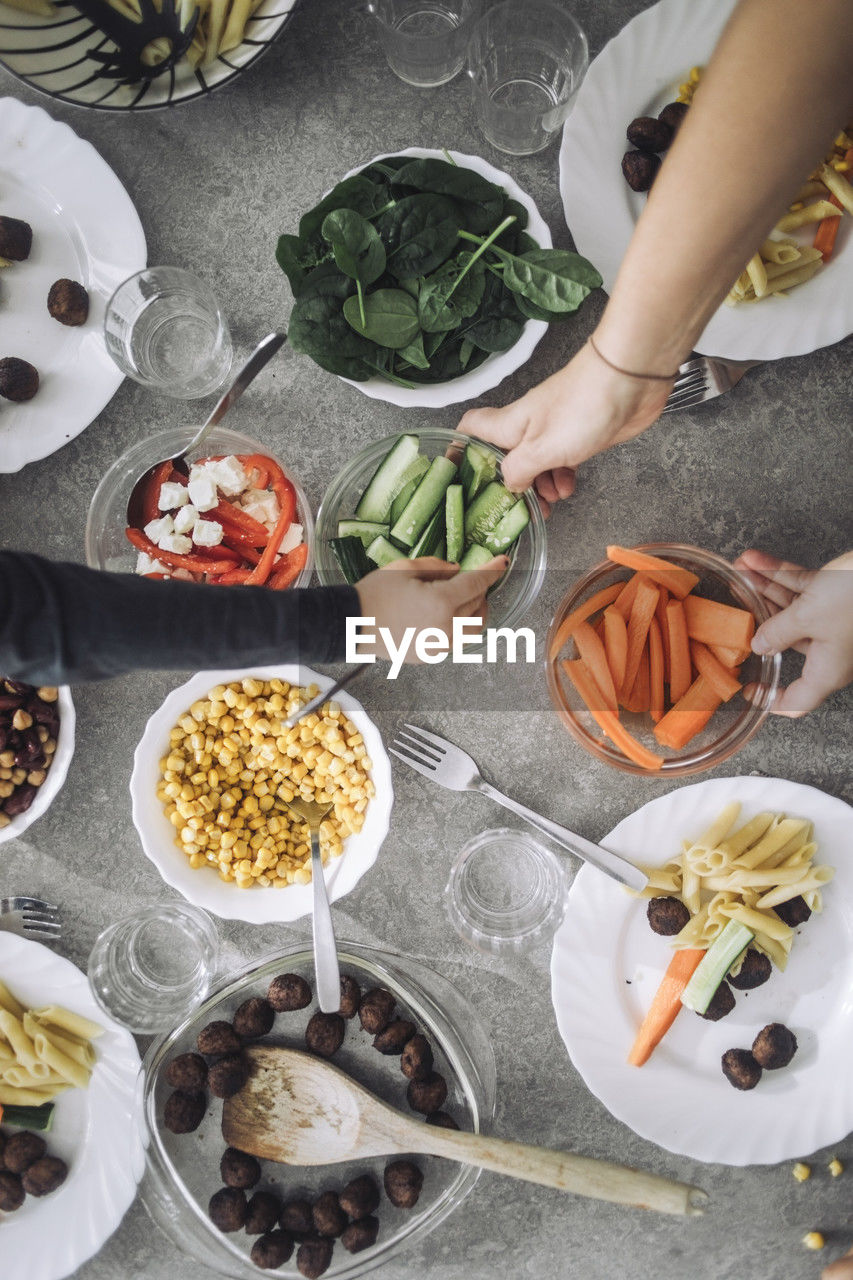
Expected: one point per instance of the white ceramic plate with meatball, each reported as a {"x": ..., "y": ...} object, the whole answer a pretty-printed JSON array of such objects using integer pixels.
[
  {"x": 96, "y": 1131},
  {"x": 86, "y": 229},
  {"x": 637, "y": 74},
  {"x": 607, "y": 965}
]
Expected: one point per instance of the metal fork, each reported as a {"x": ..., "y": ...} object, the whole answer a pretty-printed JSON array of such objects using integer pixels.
[
  {"x": 325, "y": 948},
  {"x": 704, "y": 378},
  {"x": 451, "y": 767},
  {"x": 30, "y": 918}
]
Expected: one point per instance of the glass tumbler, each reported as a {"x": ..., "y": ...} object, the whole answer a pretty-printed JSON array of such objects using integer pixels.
[
  {"x": 506, "y": 892},
  {"x": 152, "y": 968},
  {"x": 164, "y": 328},
  {"x": 425, "y": 40},
  {"x": 526, "y": 62}
]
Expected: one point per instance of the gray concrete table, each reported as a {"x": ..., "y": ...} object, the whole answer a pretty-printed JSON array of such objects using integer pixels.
[{"x": 215, "y": 182}]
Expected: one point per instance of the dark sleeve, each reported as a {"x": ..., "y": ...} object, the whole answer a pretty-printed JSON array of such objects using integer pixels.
[{"x": 63, "y": 623}]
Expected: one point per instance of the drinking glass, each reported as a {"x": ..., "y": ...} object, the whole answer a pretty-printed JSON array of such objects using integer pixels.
[
  {"x": 526, "y": 62},
  {"x": 164, "y": 328},
  {"x": 425, "y": 40},
  {"x": 152, "y": 968},
  {"x": 506, "y": 892}
]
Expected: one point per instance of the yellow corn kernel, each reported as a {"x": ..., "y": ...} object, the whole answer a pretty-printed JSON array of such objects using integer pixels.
[
  {"x": 802, "y": 1172},
  {"x": 836, "y": 1168},
  {"x": 813, "y": 1240},
  {"x": 841, "y": 166}
]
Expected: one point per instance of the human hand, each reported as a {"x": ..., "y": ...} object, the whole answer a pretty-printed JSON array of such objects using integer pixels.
[
  {"x": 813, "y": 613},
  {"x": 841, "y": 1269},
  {"x": 425, "y": 593},
  {"x": 583, "y": 409}
]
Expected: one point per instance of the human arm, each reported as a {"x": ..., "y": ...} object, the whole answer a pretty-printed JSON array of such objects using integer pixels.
[{"x": 841, "y": 1269}]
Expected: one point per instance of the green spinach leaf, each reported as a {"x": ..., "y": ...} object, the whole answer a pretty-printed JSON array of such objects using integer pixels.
[
  {"x": 554, "y": 279},
  {"x": 419, "y": 233},
  {"x": 482, "y": 201},
  {"x": 451, "y": 294},
  {"x": 391, "y": 318},
  {"x": 358, "y": 250},
  {"x": 414, "y": 353},
  {"x": 298, "y": 257},
  {"x": 357, "y": 193}
]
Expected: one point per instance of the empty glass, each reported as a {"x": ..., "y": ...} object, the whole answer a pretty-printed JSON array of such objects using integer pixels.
[
  {"x": 152, "y": 968},
  {"x": 164, "y": 328},
  {"x": 526, "y": 62},
  {"x": 425, "y": 40}
]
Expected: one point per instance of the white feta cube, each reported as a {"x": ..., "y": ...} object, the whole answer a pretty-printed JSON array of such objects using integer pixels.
[
  {"x": 172, "y": 495},
  {"x": 157, "y": 529},
  {"x": 202, "y": 490},
  {"x": 177, "y": 543},
  {"x": 207, "y": 533},
  {"x": 230, "y": 475},
  {"x": 262, "y": 506},
  {"x": 291, "y": 539},
  {"x": 186, "y": 518},
  {"x": 147, "y": 564},
  {"x": 182, "y": 575}
]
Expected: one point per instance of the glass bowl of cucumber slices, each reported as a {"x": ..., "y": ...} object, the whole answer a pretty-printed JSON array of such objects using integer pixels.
[{"x": 433, "y": 492}]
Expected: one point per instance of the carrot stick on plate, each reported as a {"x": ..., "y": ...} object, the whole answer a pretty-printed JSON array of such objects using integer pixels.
[{"x": 666, "y": 1004}]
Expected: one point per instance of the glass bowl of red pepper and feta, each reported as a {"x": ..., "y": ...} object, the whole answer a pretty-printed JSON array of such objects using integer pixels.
[{"x": 239, "y": 517}]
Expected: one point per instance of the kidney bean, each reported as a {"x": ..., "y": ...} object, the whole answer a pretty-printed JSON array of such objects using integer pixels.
[
  {"x": 9, "y": 701},
  {"x": 20, "y": 800}
]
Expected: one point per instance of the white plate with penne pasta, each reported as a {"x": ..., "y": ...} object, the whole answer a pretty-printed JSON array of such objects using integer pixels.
[
  {"x": 56, "y": 1044},
  {"x": 750, "y": 842},
  {"x": 790, "y": 301}
]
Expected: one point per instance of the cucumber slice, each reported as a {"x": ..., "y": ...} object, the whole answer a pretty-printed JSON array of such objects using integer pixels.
[
  {"x": 486, "y": 510},
  {"x": 382, "y": 552},
  {"x": 418, "y": 469},
  {"x": 350, "y": 555},
  {"x": 376, "y": 500},
  {"x": 428, "y": 543},
  {"x": 714, "y": 966},
  {"x": 366, "y": 530},
  {"x": 37, "y": 1119},
  {"x": 475, "y": 557},
  {"x": 455, "y": 522},
  {"x": 478, "y": 467},
  {"x": 509, "y": 528},
  {"x": 441, "y": 552},
  {"x": 424, "y": 502}
]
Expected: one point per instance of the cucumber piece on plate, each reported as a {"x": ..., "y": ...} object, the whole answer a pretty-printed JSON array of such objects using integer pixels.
[
  {"x": 475, "y": 557},
  {"x": 376, "y": 500},
  {"x": 413, "y": 475},
  {"x": 429, "y": 541},
  {"x": 383, "y": 552},
  {"x": 424, "y": 502},
  {"x": 486, "y": 511},
  {"x": 455, "y": 521},
  {"x": 717, "y": 961},
  {"x": 509, "y": 528},
  {"x": 36, "y": 1119},
  {"x": 350, "y": 555},
  {"x": 478, "y": 467},
  {"x": 366, "y": 530}
]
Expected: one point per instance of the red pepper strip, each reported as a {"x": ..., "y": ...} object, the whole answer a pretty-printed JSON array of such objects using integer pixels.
[
  {"x": 289, "y": 567},
  {"x": 178, "y": 477},
  {"x": 151, "y": 497},
  {"x": 246, "y": 554},
  {"x": 220, "y": 552},
  {"x": 278, "y": 479},
  {"x": 195, "y": 564},
  {"x": 229, "y": 514},
  {"x": 262, "y": 477},
  {"x": 264, "y": 567},
  {"x": 158, "y": 577},
  {"x": 234, "y": 578}
]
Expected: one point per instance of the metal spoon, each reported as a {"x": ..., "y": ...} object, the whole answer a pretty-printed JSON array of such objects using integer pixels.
[{"x": 263, "y": 352}]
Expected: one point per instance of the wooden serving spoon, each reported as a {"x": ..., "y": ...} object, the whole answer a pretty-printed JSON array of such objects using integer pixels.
[{"x": 296, "y": 1109}]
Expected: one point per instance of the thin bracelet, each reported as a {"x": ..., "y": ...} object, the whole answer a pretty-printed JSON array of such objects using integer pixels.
[{"x": 650, "y": 377}]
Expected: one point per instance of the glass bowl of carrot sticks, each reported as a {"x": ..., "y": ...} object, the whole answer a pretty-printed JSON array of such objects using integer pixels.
[
  {"x": 648, "y": 657},
  {"x": 240, "y": 518}
]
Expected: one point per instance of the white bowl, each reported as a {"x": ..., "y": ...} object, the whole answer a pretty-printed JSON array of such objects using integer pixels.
[
  {"x": 203, "y": 886},
  {"x": 56, "y": 774},
  {"x": 500, "y": 364}
]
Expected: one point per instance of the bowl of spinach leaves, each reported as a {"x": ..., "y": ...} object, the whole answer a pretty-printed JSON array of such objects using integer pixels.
[{"x": 426, "y": 277}]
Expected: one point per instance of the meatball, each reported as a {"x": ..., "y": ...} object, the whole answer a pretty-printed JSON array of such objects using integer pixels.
[
  {"x": 188, "y": 1072},
  {"x": 22, "y": 1150},
  {"x": 288, "y": 992},
  {"x": 19, "y": 380},
  {"x": 741, "y": 1069},
  {"x": 228, "y": 1209},
  {"x": 360, "y": 1197},
  {"x": 297, "y": 1218},
  {"x": 272, "y": 1250},
  {"x": 416, "y": 1058},
  {"x": 16, "y": 239},
  {"x": 262, "y": 1213},
  {"x": 239, "y": 1169},
  {"x": 673, "y": 114},
  {"x": 45, "y": 1176},
  {"x": 329, "y": 1218},
  {"x": 360, "y": 1235},
  {"x": 218, "y": 1038},
  {"x": 12, "y": 1194},
  {"x": 254, "y": 1018},
  {"x": 68, "y": 302},
  {"x": 324, "y": 1034},
  {"x": 427, "y": 1095},
  {"x": 375, "y": 1010},
  {"x": 667, "y": 916},
  {"x": 313, "y": 1257},
  {"x": 722, "y": 1003},
  {"x": 794, "y": 912},
  {"x": 755, "y": 969},
  {"x": 350, "y": 996},
  {"x": 640, "y": 169},
  {"x": 395, "y": 1037},
  {"x": 442, "y": 1120},
  {"x": 772, "y": 1048},
  {"x": 227, "y": 1076},
  {"x": 184, "y": 1112},
  {"x": 648, "y": 134},
  {"x": 403, "y": 1181}
]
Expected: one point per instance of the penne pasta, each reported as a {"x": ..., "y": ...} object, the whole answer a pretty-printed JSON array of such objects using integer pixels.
[
  {"x": 757, "y": 275},
  {"x": 815, "y": 212},
  {"x": 758, "y": 922},
  {"x": 9, "y": 1003},
  {"x": 839, "y": 186},
  {"x": 747, "y": 835},
  {"x": 65, "y": 1020},
  {"x": 43, "y": 1052}
]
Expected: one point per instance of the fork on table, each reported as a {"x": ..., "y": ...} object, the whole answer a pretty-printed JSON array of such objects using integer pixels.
[
  {"x": 448, "y": 765},
  {"x": 705, "y": 378},
  {"x": 30, "y": 918}
]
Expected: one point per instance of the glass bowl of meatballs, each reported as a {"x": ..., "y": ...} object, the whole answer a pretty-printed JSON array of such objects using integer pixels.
[{"x": 402, "y": 1031}]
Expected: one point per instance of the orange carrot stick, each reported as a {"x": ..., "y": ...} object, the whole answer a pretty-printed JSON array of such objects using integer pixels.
[
  {"x": 638, "y": 699},
  {"x": 660, "y": 614},
  {"x": 729, "y": 658},
  {"x": 666, "y": 1004},
  {"x": 606, "y": 720},
  {"x": 656, "y": 670},
  {"x": 715, "y": 623},
  {"x": 827, "y": 230},
  {"x": 678, "y": 581},
  {"x": 642, "y": 612},
  {"x": 679, "y": 650},
  {"x": 718, "y": 676},
  {"x": 616, "y": 645},
  {"x": 624, "y": 601},
  {"x": 599, "y": 600},
  {"x": 689, "y": 715},
  {"x": 591, "y": 652}
]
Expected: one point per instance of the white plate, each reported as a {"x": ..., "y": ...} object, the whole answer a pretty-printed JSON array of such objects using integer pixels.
[
  {"x": 85, "y": 228},
  {"x": 636, "y": 74},
  {"x": 56, "y": 774},
  {"x": 500, "y": 364},
  {"x": 96, "y": 1131},
  {"x": 203, "y": 886},
  {"x": 607, "y": 965}
]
